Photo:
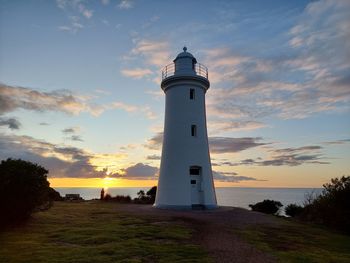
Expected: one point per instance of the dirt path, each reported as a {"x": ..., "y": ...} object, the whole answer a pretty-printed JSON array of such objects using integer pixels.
[{"x": 213, "y": 230}]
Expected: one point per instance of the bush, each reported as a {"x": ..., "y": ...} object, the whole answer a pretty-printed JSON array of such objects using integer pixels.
[
  {"x": 54, "y": 195},
  {"x": 146, "y": 198},
  {"x": 293, "y": 210},
  {"x": 117, "y": 198},
  {"x": 332, "y": 206},
  {"x": 23, "y": 188},
  {"x": 267, "y": 206},
  {"x": 152, "y": 193}
]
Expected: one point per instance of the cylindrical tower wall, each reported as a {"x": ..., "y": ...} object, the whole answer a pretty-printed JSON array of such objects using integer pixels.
[{"x": 183, "y": 149}]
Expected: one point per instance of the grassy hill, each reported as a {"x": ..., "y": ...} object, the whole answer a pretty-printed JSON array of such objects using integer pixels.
[{"x": 96, "y": 231}]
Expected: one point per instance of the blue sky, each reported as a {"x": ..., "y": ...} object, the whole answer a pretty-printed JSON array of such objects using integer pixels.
[{"x": 80, "y": 86}]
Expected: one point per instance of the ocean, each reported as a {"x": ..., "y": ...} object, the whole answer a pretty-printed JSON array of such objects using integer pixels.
[{"x": 226, "y": 196}]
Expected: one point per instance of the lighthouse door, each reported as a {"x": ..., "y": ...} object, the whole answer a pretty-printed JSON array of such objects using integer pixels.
[{"x": 196, "y": 182}]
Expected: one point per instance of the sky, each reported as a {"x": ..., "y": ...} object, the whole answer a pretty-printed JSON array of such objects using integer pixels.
[{"x": 80, "y": 88}]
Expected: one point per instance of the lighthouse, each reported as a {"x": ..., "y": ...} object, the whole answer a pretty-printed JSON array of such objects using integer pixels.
[{"x": 185, "y": 178}]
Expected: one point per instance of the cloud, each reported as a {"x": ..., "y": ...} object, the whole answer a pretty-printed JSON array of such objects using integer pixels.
[
  {"x": 337, "y": 142},
  {"x": 13, "y": 98},
  {"x": 224, "y": 64},
  {"x": 140, "y": 171},
  {"x": 126, "y": 4},
  {"x": 216, "y": 144},
  {"x": 153, "y": 157},
  {"x": 75, "y": 5},
  {"x": 74, "y": 25},
  {"x": 44, "y": 124},
  {"x": 286, "y": 157},
  {"x": 11, "y": 123},
  {"x": 231, "y": 177},
  {"x": 71, "y": 134},
  {"x": 155, "y": 142},
  {"x": 60, "y": 160},
  {"x": 71, "y": 130},
  {"x": 76, "y": 138},
  {"x": 155, "y": 53},
  {"x": 136, "y": 73},
  {"x": 232, "y": 145},
  {"x": 308, "y": 77},
  {"x": 146, "y": 110},
  {"x": 69, "y": 161},
  {"x": 218, "y": 126}
]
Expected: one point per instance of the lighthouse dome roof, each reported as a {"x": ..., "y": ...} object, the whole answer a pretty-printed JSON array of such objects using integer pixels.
[{"x": 184, "y": 54}]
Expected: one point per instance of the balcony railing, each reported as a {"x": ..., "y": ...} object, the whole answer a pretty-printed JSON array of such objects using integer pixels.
[{"x": 199, "y": 69}]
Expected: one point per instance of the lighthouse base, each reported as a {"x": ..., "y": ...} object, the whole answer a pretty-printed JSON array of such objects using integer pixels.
[{"x": 186, "y": 207}]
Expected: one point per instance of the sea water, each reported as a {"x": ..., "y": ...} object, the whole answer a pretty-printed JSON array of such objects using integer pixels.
[{"x": 226, "y": 196}]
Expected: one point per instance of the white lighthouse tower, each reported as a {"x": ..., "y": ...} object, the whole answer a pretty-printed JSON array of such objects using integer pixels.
[{"x": 185, "y": 179}]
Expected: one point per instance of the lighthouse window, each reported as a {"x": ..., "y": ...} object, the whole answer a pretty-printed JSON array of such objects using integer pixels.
[
  {"x": 195, "y": 170},
  {"x": 193, "y": 130},
  {"x": 193, "y": 181},
  {"x": 191, "y": 94}
]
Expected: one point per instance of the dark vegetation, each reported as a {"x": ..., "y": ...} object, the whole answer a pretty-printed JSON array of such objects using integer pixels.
[
  {"x": 147, "y": 198},
  {"x": 293, "y": 210},
  {"x": 117, "y": 198},
  {"x": 142, "y": 197},
  {"x": 23, "y": 189},
  {"x": 267, "y": 206},
  {"x": 331, "y": 208}
]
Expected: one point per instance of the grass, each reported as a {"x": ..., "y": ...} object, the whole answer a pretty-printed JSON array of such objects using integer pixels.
[
  {"x": 296, "y": 242},
  {"x": 97, "y": 232}
]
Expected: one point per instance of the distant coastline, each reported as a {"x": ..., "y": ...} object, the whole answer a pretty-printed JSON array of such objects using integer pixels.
[{"x": 226, "y": 196}]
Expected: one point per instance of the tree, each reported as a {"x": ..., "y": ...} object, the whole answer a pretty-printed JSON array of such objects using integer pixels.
[
  {"x": 141, "y": 194},
  {"x": 151, "y": 193},
  {"x": 267, "y": 206},
  {"x": 54, "y": 195},
  {"x": 293, "y": 210},
  {"x": 332, "y": 206},
  {"x": 23, "y": 188},
  {"x": 102, "y": 195}
]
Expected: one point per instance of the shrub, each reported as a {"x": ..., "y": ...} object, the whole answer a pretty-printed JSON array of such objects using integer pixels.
[
  {"x": 23, "y": 188},
  {"x": 332, "y": 206},
  {"x": 146, "y": 198},
  {"x": 293, "y": 210},
  {"x": 152, "y": 193},
  {"x": 117, "y": 198},
  {"x": 267, "y": 206},
  {"x": 54, "y": 195}
]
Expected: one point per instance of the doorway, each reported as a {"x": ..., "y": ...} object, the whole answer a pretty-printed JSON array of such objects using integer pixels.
[{"x": 196, "y": 185}]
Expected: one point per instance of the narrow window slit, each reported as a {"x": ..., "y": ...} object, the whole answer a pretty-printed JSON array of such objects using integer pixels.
[
  {"x": 193, "y": 130},
  {"x": 191, "y": 94}
]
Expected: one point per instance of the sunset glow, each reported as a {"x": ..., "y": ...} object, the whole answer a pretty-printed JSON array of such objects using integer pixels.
[{"x": 80, "y": 88}]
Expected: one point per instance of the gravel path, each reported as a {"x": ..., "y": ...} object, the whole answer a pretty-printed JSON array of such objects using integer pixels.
[{"x": 213, "y": 230}]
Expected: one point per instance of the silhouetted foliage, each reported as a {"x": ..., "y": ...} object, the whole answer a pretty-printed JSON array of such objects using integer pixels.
[
  {"x": 141, "y": 194},
  {"x": 267, "y": 206},
  {"x": 117, "y": 198},
  {"x": 147, "y": 198},
  {"x": 23, "y": 188},
  {"x": 102, "y": 195},
  {"x": 332, "y": 206},
  {"x": 293, "y": 210},
  {"x": 152, "y": 193},
  {"x": 54, "y": 195},
  {"x": 107, "y": 197}
]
